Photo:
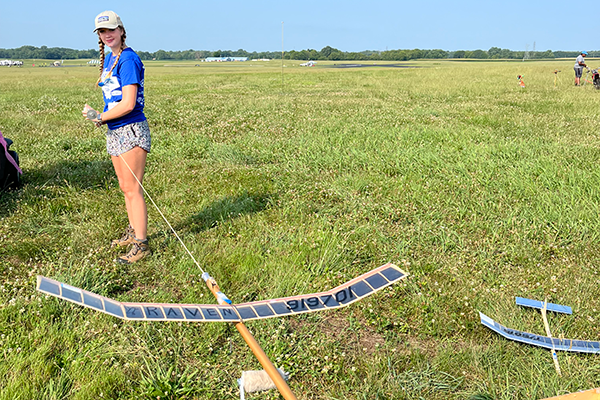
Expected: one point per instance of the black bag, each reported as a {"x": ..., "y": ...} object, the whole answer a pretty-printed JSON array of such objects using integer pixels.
[{"x": 10, "y": 173}]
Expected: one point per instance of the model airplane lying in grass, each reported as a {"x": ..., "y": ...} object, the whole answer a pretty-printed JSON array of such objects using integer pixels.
[
  {"x": 225, "y": 311},
  {"x": 342, "y": 295},
  {"x": 547, "y": 342}
]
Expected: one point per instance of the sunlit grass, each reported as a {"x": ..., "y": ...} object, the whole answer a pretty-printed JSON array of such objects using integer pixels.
[{"x": 483, "y": 191}]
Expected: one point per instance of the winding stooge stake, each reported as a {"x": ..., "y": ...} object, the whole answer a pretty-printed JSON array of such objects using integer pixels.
[{"x": 225, "y": 311}]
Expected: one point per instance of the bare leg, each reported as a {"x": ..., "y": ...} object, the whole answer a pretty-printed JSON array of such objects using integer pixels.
[{"x": 134, "y": 195}]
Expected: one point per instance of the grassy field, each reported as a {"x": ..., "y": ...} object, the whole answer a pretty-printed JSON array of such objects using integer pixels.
[{"x": 481, "y": 190}]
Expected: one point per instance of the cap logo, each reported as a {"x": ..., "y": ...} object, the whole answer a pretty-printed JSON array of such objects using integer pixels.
[{"x": 103, "y": 18}]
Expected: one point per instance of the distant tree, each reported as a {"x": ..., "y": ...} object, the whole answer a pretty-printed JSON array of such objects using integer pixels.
[
  {"x": 51, "y": 54},
  {"x": 336, "y": 55},
  {"x": 356, "y": 56},
  {"x": 327, "y": 53},
  {"x": 494, "y": 52},
  {"x": 240, "y": 53},
  {"x": 26, "y": 52},
  {"x": 91, "y": 53},
  {"x": 161, "y": 55},
  {"x": 327, "y": 50},
  {"x": 388, "y": 55},
  {"x": 506, "y": 53},
  {"x": 436, "y": 53},
  {"x": 293, "y": 55},
  {"x": 416, "y": 53},
  {"x": 566, "y": 54},
  {"x": 144, "y": 55},
  {"x": 394, "y": 55},
  {"x": 480, "y": 54},
  {"x": 296, "y": 55}
]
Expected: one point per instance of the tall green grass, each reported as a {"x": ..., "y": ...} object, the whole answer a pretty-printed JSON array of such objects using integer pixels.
[{"x": 483, "y": 191}]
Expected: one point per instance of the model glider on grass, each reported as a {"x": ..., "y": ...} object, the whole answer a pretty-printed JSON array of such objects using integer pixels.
[
  {"x": 547, "y": 342},
  {"x": 341, "y": 296}
]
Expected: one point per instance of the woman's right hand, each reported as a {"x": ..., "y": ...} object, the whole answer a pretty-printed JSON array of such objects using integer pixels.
[
  {"x": 85, "y": 111},
  {"x": 86, "y": 108}
]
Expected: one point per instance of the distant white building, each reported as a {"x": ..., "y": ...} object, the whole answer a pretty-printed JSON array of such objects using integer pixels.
[{"x": 225, "y": 59}]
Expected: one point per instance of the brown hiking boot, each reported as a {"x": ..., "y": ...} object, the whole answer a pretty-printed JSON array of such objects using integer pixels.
[
  {"x": 139, "y": 249},
  {"x": 125, "y": 240}
]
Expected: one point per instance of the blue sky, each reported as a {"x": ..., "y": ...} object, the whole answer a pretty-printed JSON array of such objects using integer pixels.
[{"x": 349, "y": 26}]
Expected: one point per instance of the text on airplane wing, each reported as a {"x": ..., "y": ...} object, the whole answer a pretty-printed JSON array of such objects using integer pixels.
[{"x": 341, "y": 296}]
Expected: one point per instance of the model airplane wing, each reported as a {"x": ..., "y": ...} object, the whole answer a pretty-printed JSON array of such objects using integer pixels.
[
  {"x": 341, "y": 296},
  {"x": 581, "y": 346}
]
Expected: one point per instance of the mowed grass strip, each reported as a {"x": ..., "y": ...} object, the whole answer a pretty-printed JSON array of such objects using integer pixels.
[{"x": 480, "y": 189}]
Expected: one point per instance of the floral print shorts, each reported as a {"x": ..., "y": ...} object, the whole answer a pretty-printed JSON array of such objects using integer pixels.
[{"x": 125, "y": 138}]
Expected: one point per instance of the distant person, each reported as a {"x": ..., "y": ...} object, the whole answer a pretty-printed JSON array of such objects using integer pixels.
[
  {"x": 579, "y": 66},
  {"x": 128, "y": 134}
]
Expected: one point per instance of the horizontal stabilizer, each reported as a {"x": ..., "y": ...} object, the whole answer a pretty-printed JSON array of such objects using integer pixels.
[{"x": 540, "y": 304}]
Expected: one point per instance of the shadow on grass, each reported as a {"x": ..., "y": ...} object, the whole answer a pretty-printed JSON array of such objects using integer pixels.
[
  {"x": 8, "y": 201},
  {"x": 227, "y": 209},
  {"x": 78, "y": 175}
]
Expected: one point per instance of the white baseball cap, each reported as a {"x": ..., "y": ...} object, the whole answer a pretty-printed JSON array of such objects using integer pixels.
[{"x": 107, "y": 20}]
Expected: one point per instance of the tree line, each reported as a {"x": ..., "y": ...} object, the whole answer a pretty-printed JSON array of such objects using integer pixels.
[{"x": 326, "y": 53}]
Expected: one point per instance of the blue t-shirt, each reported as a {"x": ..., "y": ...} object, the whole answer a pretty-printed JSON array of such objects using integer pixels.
[{"x": 129, "y": 71}]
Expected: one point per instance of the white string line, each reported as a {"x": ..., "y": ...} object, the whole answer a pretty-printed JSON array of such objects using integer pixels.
[{"x": 161, "y": 214}]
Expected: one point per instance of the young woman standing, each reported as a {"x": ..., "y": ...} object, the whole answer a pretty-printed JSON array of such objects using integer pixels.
[{"x": 128, "y": 135}]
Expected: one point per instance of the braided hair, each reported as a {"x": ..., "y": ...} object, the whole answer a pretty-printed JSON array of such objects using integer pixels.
[{"x": 103, "y": 56}]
